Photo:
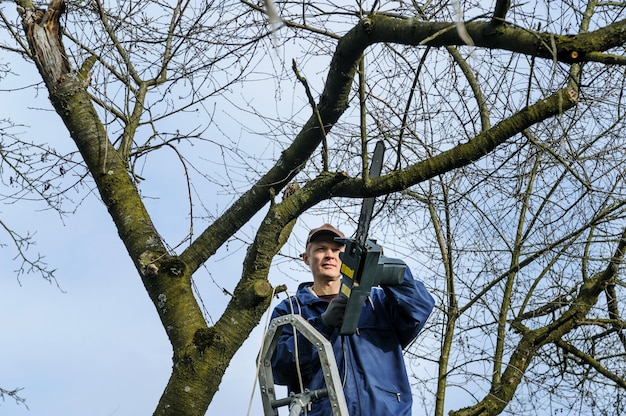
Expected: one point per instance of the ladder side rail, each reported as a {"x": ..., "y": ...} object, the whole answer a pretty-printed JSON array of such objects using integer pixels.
[
  {"x": 327, "y": 362},
  {"x": 265, "y": 376}
]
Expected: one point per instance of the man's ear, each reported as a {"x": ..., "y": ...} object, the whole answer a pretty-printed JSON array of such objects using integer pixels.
[{"x": 305, "y": 257}]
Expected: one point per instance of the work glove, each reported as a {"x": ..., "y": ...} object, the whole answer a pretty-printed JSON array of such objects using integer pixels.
[{"x": 333, "y": 316}]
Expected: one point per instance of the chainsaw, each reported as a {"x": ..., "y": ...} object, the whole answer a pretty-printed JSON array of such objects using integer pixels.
[{"x": 363, "y": 264}]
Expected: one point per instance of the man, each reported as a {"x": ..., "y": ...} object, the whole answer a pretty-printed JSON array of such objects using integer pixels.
[{"x": 370, "y": 361}]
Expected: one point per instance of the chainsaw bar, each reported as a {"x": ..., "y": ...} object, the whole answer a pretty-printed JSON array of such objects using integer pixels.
[
  {"x": 368, "y": 203},
  {"x": 360, "y": 255}
]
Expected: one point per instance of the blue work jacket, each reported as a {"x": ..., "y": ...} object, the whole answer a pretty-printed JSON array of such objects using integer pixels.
[{"x": 370, "y": 361}]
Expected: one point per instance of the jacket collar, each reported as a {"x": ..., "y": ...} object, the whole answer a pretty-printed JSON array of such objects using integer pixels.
[{"x": 305, "y": 295}]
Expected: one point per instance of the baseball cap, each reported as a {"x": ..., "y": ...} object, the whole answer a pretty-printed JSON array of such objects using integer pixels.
[{"x": 323, "y": 229}]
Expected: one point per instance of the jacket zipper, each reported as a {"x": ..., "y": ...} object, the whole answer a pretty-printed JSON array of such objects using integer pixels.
[{"x": 397, "y": 394}]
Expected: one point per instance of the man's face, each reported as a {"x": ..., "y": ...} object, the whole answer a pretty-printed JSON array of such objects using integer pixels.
[{"x": 322, "y": 255}]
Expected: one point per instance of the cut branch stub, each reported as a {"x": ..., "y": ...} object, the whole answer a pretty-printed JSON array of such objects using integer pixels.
[{"x": 44, "y": 34}]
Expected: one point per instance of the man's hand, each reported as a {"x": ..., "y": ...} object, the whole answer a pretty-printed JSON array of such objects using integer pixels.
[{"x": 333, "y": 316}]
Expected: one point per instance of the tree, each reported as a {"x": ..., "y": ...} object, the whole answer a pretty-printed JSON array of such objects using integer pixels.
[{"x": 499, "y": 123}]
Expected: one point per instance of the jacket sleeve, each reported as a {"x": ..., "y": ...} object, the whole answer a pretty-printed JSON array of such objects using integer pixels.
[
  {"x": 284, "y": 362},
  {"x": 409, "y": 305}
]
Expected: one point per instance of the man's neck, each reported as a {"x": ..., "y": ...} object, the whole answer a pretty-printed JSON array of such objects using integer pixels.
[{"x": 326, "y": 288}]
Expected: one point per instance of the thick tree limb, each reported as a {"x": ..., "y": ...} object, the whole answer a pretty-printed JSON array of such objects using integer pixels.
[
  {"x": 166, "y": 279},
  {"x": 500, "y": 11},
  {"x": 462, "y": 154},
  {"x": 507, "y": 37}
]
